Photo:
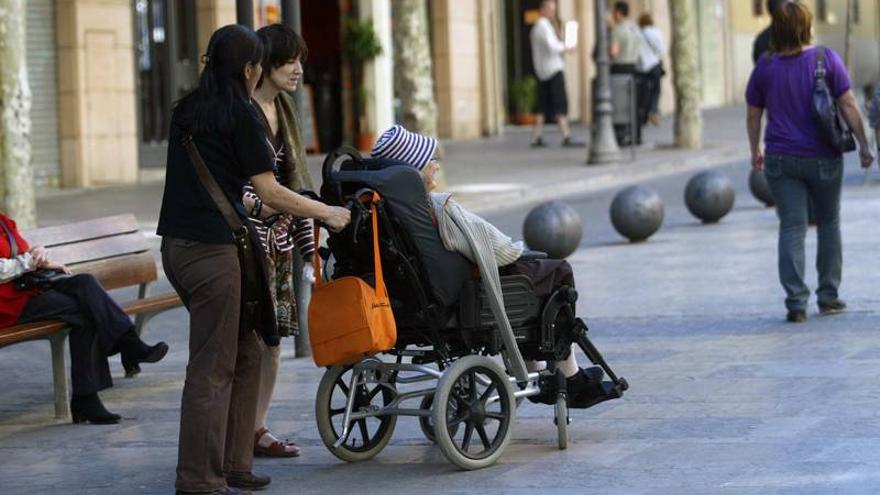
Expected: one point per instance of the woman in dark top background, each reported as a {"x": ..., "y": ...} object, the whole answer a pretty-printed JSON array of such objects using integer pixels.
[{"x": 218, "y": 406}]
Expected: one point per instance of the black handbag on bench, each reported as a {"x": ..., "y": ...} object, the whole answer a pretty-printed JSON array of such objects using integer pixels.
[
  {"x": 41, "y": 279},
  {"x": 257, "y": 306}
]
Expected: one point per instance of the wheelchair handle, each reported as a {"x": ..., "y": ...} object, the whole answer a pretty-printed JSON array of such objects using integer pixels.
[{"x": 334, "y": 157}]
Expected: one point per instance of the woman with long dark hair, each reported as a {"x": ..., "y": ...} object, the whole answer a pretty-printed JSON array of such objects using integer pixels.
[
  {"x": 801, "y": 164},
  {"x": 218, "y": 407}
]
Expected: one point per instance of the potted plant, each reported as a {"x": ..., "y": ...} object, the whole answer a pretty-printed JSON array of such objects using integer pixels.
[
  {"x": 360, "y": 45},
  {"x": 523, "y": 93}
]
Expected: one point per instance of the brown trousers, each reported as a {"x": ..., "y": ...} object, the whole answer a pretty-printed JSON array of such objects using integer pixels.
[{"x": 218, "y": 408}]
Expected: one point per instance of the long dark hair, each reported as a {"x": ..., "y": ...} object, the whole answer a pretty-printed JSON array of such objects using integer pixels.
[{"x": 208, "y": 108}]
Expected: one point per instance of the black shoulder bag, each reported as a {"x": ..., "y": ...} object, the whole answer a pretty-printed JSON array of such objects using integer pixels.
[
  {"x": 834, "y": 128},
  {"x": 257, "y": 306},
  {"x": 41, "y": 279}
]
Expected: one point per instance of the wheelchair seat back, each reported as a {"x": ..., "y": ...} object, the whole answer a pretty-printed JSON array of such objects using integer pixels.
[{"x": 407, "y": 203}]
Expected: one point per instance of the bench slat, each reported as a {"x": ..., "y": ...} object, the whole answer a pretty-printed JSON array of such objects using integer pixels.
[
  {"x": 81, "y": 231},
  {"x": 98, "y": 249},
  {"x": 122, "y": 271},
  {"x": 152, "y": 304},
  {"x": 30, "y": 331}
]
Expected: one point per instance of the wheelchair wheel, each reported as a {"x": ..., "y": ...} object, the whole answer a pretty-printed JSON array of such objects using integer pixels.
[
  {"x": 426, "y": 423},
  {"x": 369, "y": 435},
  {"x": 476, "y": 432},
  {"x": 561, "y": 421}
]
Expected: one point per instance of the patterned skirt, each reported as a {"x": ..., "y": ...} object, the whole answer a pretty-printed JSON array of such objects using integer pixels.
[{"x": 281, "y": 282}]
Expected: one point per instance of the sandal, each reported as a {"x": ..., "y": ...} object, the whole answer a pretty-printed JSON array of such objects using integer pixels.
[{"x": 277, "y": 448}]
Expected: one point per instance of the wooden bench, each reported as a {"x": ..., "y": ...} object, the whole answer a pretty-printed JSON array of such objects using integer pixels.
[{"x": 114, "y": 250}]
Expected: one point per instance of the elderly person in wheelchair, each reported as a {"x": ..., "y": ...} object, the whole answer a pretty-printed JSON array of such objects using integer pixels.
[
  {"x": 461, "y": 292},
  {"x": 584, "y": 386}
]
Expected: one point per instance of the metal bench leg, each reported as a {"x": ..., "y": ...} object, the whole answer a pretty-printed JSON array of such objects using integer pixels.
[
  {"x": 59, "y": 375},
  {"x": 141, "y": 320},
  {"x": 302, "y": 290}
]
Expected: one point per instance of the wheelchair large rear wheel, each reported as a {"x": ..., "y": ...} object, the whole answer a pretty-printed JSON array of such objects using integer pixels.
[
  {"x": 473, "y": 412},
  {"x": 369, "y": 435}
]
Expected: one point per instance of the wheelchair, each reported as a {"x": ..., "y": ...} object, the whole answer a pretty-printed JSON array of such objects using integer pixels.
[{"x": 445, "y": 367}]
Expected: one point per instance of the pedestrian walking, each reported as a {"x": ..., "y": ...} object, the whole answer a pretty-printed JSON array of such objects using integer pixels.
[
  {"x": 761, "y": 45},
  {"x": 651, "y": 70},
  {"x": 547, "y": 56},
  {"x": 625, "y": 51},
  {"x": 802, "y": 161},
  {"x": 201, "y": 259}
]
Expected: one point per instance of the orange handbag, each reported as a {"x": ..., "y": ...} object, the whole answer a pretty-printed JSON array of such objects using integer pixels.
[{"x": 348, "y": 319}]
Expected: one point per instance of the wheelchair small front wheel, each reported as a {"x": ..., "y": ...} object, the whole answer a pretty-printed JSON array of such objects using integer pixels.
[
  {"x": 368, "y": 435},
  {"x": 475, "y": 433},
  {"x": 426, "y": 423},
  {"x": 561, "y": 420}
]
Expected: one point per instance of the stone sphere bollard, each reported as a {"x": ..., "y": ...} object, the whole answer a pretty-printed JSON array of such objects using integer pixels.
[
  {"x": 760, "y": 188},
  {"x": 554, "y": 228},
  {"x": 636, "y": 213},
  {"x": 709, "y": 196}
]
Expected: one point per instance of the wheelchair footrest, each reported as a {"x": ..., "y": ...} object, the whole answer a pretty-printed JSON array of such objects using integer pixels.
[{"x": 610, "y": 390}]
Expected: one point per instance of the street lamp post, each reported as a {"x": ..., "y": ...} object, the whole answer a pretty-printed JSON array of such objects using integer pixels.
[
  {"x": 244, "y": 13},
  {"x": 603, "y": 143},
  {"x": 291, "y": 16}
]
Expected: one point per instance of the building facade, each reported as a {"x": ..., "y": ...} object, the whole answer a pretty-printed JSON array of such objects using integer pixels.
[{"x": 105, "y": 73}]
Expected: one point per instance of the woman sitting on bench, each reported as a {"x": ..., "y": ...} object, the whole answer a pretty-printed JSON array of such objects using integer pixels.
[{"x": 98, "y": 326}]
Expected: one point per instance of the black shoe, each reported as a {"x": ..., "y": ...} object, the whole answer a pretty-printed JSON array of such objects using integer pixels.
[
  {"x": 832, "y": 307},
  {"x": 796, "y": 316},
  {"x": 538, "y": 142},
  {"x": 568, "y": 143},
  {"x": 89, "y": 408},
  {"x": 135, "y": 351},
  {"x": 585, "y": 388},
  {"x": 247, "y": 480}
]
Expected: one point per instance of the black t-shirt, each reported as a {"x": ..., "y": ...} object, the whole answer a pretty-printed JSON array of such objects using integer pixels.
[
  {"x": 761, "y": 45},
  {"x": 188, "y": 212}
]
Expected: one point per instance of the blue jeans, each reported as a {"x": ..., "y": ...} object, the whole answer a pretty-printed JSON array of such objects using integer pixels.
[{"x": 793, "y": 181}]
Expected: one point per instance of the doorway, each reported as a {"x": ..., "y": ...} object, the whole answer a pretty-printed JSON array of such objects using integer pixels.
[{"x": 167, "y": 69}]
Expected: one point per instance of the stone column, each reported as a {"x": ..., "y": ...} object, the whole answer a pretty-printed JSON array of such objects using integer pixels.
[
  {"x": 456, "y": 68},
  {"x": 97, "y": 94},
  {"x": 492, "y": 112},
  {"x": 210, "y": 15},
  {"x": 379, "y": 74}
]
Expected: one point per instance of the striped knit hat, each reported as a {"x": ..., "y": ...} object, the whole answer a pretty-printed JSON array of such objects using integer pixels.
[{"x": 397, "y": 143}]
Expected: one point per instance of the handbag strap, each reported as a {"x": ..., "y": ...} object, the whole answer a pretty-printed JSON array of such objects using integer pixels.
[
  {"x": 13, "y": 244},
  {"x": 220, "y": 199},
  {"x": 820, "y": 71},
  {"x": 381, "y": 289}
]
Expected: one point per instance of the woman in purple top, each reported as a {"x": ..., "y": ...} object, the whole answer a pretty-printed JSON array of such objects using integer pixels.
[{"x": 799, "y": 163}]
